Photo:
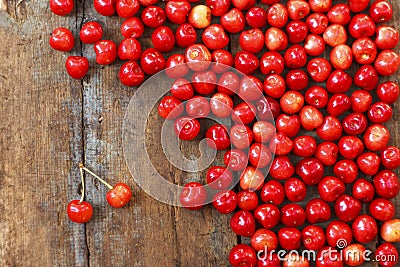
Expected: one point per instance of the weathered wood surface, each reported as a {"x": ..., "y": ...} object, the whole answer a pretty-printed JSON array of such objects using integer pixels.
[{"x": 50, "y": 123}]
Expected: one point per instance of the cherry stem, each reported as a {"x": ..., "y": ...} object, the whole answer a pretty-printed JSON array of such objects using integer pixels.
[
  {"x": 83, "y": 186},
  {"x": 97, "y": 177}
]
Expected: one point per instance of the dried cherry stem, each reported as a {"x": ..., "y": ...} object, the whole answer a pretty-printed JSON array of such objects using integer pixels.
[
  {"x": 83, "y": 186},
  {"x": 81, "y": 167}
]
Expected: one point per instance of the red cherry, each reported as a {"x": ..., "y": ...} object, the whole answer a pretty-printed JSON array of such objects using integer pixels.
[
  {"x": 264, "y": 239},
  {"x": 217, "y": 137},
  {"x": 127, "y": 8},
  {"x": 243, "y": 4},
  {"x": 77, "y": 67},
  {"x": 277, "y": 15},
  {"x": 347, "y": 208},
  {"x": 319, "y": 69},
  {"x": 177, "y": 11},
  {"x": 169, "y": 107},
  {"x": 376, "y": 137},
  {"x": 152, "y": 61},
  {"x": 366, "y": 77},
  {"x": 228, "y": 83},
  {"x": 281, "y": 168},
  {"x": 297, "y": 80},
  {"x": 256, "y": 17},
  {"x": 251, "y": 179},
  {"x": 337, "y": 231},
  {"x": 219, "y": 178},
  {"x": 223, "y": 61},
  {"x": 79, "y": 211},
  {"x": 381, "y": 11},
  {"x": 352, "y": 254},
  {"x": 252, "y": 40},
  {"x": 218, "y": 8},
  {"x": 296, "y": 31},
  {"x": 329, "y": 256},
  {"x": 289, "y": 238},
  {"x": 225, "y": 201},
  {"x": 244, "y": 113},
  {"x": 313, "y": 237},
  {"x": 132, "y": 28},
  {"x": 327, "y": 153},
  {"x": 364, "y": 228},
  {"x": 360, "y": 101},
  {"x": 298, "y": 9},
  {"x": 246, "y": 62},
  {"x": 243, "y": 223},
  {"x": 233, "y": 21},
  {"x": 346, "y": 170},
  {"x": 198, "y": 107},
  {"x": 341, "y": 57},
  {"x": 388, "y": 252},
  {"x": 295, "y": 56},
  {"x": 363, "y": 190},
  {"x": 163, "y": 39},
  {"x": 91, "y": 32},
  {"x": 369, "y": 163},
  {"x": 272, "y": 62},
  {"x": 175, "y": 66},
  {"x": 317, "y": 23},
  {"x": 339, "y": 14},
  {"x": 339, "y": 82},
  {"x": 314, "y": 45},
  {"x": 241, "y": 136},
  {"x": 364, "y": 50},
  {"x": 275, "y": 39},
  {"x": 293, "y": 215},
  {"x": 317, "y": 211},
  {"x": 268, "y": 215},
  {"x": 204, "y": 82},
  {"x": 106, "y": 52},
  {"x": 105, "y": 7},
  {"x": 119, "y": 195},
  {"x": 62, "y": 39},
  {"x": 198, "y": 57},
  {"x": 186, "y": 128},
  {"x": 130, "y": 49},
  {"x": 247, "y": 200},
  {"x": 61, "y": 7},
  {"x": 354, "y": 124},
  {"x": 282, "y": 144},
  {"x": 310, "y": 170},
  {"x": 304, "y": 146},
  {"x": 330, "y": 129},
  {"x": 350, "y": 147},
  {"x": 310, "y": 118},
  {"x": 357, "y": 6},
  {"x": 386, "y": 184},
  {"x": 295, "y": 190},
  {"x": 259, "y": 155},
  {"x": 273, "y": 192},
  {"x": 242, "y": 255},
  {"x": 235, "y": 159},
  {"x": 390, "y": 157},
  {"x": 361, "y": 25},
  {"x": 193, "y": 196},
  {"x": 382, "y": 209},
  {"x": 292, "y": 102},
  {"x": 331, "y": 188},
  {"x": 185, "y": 35},
  {"x": 386, "y": 37},
  {"x": 214, "y": 37},
  {"x": 322, "y": 6},
  {"x": 153, "y": 16},
  {"x": 388, "y": 92},
  {"x": 387, "y": 63}
]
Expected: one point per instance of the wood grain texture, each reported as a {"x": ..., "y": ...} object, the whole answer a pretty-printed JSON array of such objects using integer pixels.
[{"x": 50, "y": 123}]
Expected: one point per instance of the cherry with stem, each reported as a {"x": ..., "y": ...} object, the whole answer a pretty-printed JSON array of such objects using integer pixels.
[{"x": 80, "y": 211}]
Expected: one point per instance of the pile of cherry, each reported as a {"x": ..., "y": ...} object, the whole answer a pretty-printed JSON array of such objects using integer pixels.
[{"x": 328, "y": 118}]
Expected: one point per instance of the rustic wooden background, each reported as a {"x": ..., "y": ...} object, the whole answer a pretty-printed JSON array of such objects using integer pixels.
[{"x": 50, "y": 123}]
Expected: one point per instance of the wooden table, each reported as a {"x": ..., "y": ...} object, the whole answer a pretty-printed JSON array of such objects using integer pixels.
[{"x": 50, "y": 123}]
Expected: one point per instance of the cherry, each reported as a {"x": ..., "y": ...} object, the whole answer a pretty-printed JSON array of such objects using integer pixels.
[
  {"x": 387, "y": 63},
  {"x": 337, "y": 231},
  {"x": 321, "y": 6},
  {"x": 259, "y": 155},
  {"x": 364, "y": 50},
  {"x": 219, "y": 178},
  {"x": 313, "y": 237},
  {"x": 228, "y": 83},
  {"x": 214, "y": 37},
  {"x": 106, "y": 52},
  {"x": 251, "y": 179},
  {"x": 268, "y": 108},
  {"x": 364, "y": 228},
  {"x": 275, "y": 39},
  {"x": 244, "y": 113},
  {"x": 193, "y": 196},
  {"x": 242, "y": 255},
  {"x": 246, "y": 63},
  {"x": 272, "y": 62},
  {"x": 223, "y": 61},
  {"x": 182, "y": 89},
  {"x": 354, "y": 124},
  {"x": 225, "y": 201},
  {"x": 270, "y": 260},
  {"x": 386, "y": 184},
  {"x": 235, "y": 159},
  {"x": 369, "y": 163},
  {"x": 289, "y": 238},
  {"x": 243, "y": 223},
  {"x": 314, "y": 45},
  {"x": 264, "y": 239},
  {"x": 80, "y": 211},
  {"x": 185, "y": 35},
  {"x": 386, "y": 37},
  {"x": 91, "y": 32},
  {"x": 277, "y": 15},
  {"x": 381, "y": 11},
  {"x": 298, "y": 9},
  {"x": 295, "y": 190},
  {"x": 169, "y": 107},
  {"x": 153, "y": 16},
  {"x": 61, "y": 7},
  {"x": 295, "y": 56},
  {"x": 317, "y": 23},
  {"x": 292, "y": 259},
  {"x": 163, "y": 39},
  {"x": 127, "y": 8},
  {"x": 346, "y": 170},
  {"x": 282, "y": 144},
  {"x": 327, "y": 153},
  {"x": 388, "y": 252},
  {"x": 357, "y": 6},
  {"x": 390, "y": 230},
  {"x": 273, "y": 192},
  {"x": 233, "y": 21},
  {"x": 177, "y": 11},
  {"x": 252, "y": 40},
  {"x": 243, "y": 4},
  {"x": 152, "y": 61},
  {"x": 338, "y": 82},
  {"x": 352, "y": 254},
  {"x": 388, "y": 92},
  {"x": 105, "y": 7},
  {"x": 62, "y": 40},
  {"x": 292, "y": 102},
  {"x": 330, "y": 129},
  {"x": 256, "y": 17},
  {"x": 331, "y": 188},
  {"x": 350, "y": 147},
  {"x": 217, "y": 137},
  {"x": 268, "y": 215},
  {"x": 339, "y": 14},
  {"x": 361, "y": 25},
  {"x": 204, "y": 82},
  {"x": 132, "y": 28},
  {"x": 310, "y": 118},
  {"x": 77, "y": 67},
  {"x": 175, "y": 66},
  {"x": 317, "y": 211},
  {"x": 218, "y": 8},
  {"x": 376, "y": 137},
  {"x": 363, "y": 190},
  {"x": 382, "y": 209},
  {"x": 390, "y": 157},
  {"x": 198, "y": 107},
  {"x": 335, "y": 35},
  {"x": 147, "y": 2},
  {"x": 186, "y": 128},
  {"x": 296, "y": 80},
  {"x": 360, "y": 101},
  {"x": 247, "y": 200},
  {"x": 304, "y": 146},
  {"x": 341, "y": 57},
  {"x": 200, "y": 16},
  {"x": 293, "y": 215},
  {"x": 329, "y": 256},
  {"x": 281, "y": 168},
  {"x": 198, "y": 57},
  {"x": 347, "y": 208},
  {"x": 274, "y": 85},
  {"x": 130, "y": 49},
  {"x": 319, "y": 70}
]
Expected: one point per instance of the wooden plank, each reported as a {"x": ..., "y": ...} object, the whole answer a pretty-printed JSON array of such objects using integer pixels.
[{"x": 40, "y": 141}]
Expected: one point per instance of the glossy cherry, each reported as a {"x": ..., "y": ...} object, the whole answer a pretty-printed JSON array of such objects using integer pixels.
[
  {"x": 313, "y": 237},
  {"x": 79, "y": 211},
  {"x": 217, "y": 137},
  {"x": 317, "y": 211},
  {"x": 242, "y": 255},
  {"x": 365, "y": 228},
  {"x": 243, "y": 223},
  {"x": 225, "y": 201},
  {"x": 382, "y": 209},
  {"x": 132, "y": 28},
  {"x": 105, "y": 7},
  {"x": 186, "y": 128},
  {"x": 77, "y": 67},
  {"x": 193, "y": 196},
  {"x": 169, "y": 107},
  {"x": 268, "y": 215},
  {"x": 127, "y": 8},
  {"x": 62, "y": 39},
  {"x": 91, "y": 32},
  {"x": 106, "y": 52}
]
